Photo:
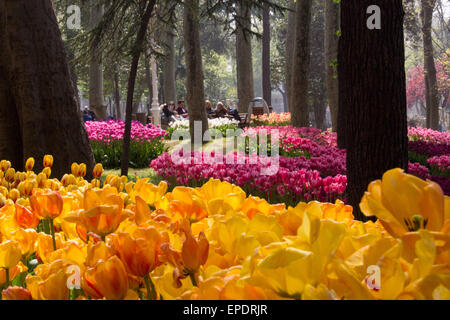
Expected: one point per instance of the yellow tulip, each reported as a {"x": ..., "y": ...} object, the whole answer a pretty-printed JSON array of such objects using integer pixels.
[
  {"x": 49, "y": 281},
  {"x": 48, "y": 161},
  {"x": 97, "y": 171},
  {"x": 10, "y": 175},
  {"x": 47, "y": 171},
  {"x": 403, "y": 202},
  {"x": 10, "y": 254},
  {"x": 5, "y": 165},
  {"x": 29, "y": 164}
]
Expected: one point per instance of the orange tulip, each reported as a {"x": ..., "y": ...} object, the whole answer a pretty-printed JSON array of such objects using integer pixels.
[
  {"x": 46, "y": 204},
  {"x": 194, "y": 251},
  {"x": 97, "y": 252},
  {"x": 49, "y": 281},
  {"x": 16, "y": 293},
  {"x": 48, "y": 161},
  {"x": 25, "y": 218},
  {"x": 108, "y": 279},
  {"x": 26, "y": 239},
  {"x": 29, "y": 164},
  {"x": 140, "y": 251},
  {"x": 102, "y": 211}
]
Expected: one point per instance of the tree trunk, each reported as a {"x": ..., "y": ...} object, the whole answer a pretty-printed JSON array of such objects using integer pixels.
[
  {"x": 290, "y": 38},
  {"x": 38, "y": 106},
  {"x": 331, "y": 52},
  {"x": 300, "y": 67},
  {"x": 96, "y": 97},
  {"x": 266, "y": 86},
  {"x": 169, "y": 80},
  {"x": 372, "y": 94},
  {"x": 137, "y": 50},
  {"x": 432, "y": 95},
  {"x": 117, "y": 95},
  {"x": 195, "y": 92},
  {"x": 244, "y": 63}
]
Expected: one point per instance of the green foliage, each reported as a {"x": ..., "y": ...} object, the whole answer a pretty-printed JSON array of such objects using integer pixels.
[{"x": 141, "y": 153}]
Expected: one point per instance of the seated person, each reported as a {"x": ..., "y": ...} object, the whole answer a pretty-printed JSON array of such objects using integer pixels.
[
  {"x": 168, "y": 113},
  {"x": 234, "y": 113},
  {"x": 86, "y": 115},
  {"x": 181, "y": 110},
  {"x": 209, "y": 111},
  {"x": 221, "y": 111}
]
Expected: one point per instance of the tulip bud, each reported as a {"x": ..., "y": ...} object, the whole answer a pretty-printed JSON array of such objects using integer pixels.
[
  {"x": 40, "y": 179},
  {"x": 5, "y": 165},
  {"x": 74, "y": 168},
  {"x": 10, "y": 175},
  {"x": 48, "y": 161},
  {"x": 14, "y": 194},
  {"x": 29, "y": 164},
  {"x": 47, "y": 171},
  {"x": 81, "y": 170},
  {"x": 98, "y": 171}
]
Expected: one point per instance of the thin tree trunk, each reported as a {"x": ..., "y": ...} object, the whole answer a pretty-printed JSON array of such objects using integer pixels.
[
  {"x": 290, "y": 38},
  {"x": 266, "y": 86},
  {"x": 96, "y": 96},
  {"x": 38, "y": 106},
  {"x": 244, "y": 63},
  {"x": 300, "y": 68},
  {"x": 169, "y": 80},
  {"x": 195, "y": 92},
  {"x": 331, "y": 52},
  {"x": 372, "y": 94},
  {"x": 432, "y": 95},
  {"x": 117, "y": 94},
  {"x": 137, "y": 50}
]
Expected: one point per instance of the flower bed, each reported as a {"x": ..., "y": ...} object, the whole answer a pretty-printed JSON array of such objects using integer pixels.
[
  {"x": 221, "y": 124},
  {"x": 106, "y": 139},
  {"x": 126, "y": 240},
  {"x": 296, "y": 179},
  {"x": 272, "y": 119}
]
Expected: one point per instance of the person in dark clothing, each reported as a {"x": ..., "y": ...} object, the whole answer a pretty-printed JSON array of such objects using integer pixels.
[
  {"x": 181, "y": 109},
  {"x": 209, "y": 111},
  {"x": 86, "y": 115},
  {"x": 221, "y": 111}
]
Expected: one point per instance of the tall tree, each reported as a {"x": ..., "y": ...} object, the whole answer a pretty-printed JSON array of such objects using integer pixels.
[
  {"x": 432, "y": 96},
  {"x": 38, "y": 106},
  {"x": 372, "y": 93},
  {"x": 169, "y": 79},
  {"x": 300, "y": 64},
  {"x": 195, "y": 92},
  {"x": 117, "y": 94},
  {"x": 290, "y": 37},
  {"x": 331, "y": 52},
  {"x": 96, "y": 96},
  {"x": 266, "y": 86},
  {"x": 136, "y": 54},
  {"x": 244, "y": 63}
]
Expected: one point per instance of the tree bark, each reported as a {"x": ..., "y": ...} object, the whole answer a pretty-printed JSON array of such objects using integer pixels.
[
  {"x": 195, "y": 92},
  {"x": 117, "y": 94},
  {"x": 137, "y": 50},
  {"x": 266, "y": 85},
  {"x": 290, "y": 37},
  {"x": 244, "y": 63},
  {"x": 96, "y": 96},
  {"x": 432, "y": 95},
  {"x": 169, "y": 79},
  {"x": 38, "y": 106},
  {"x": 300, "y": 68},
  {"x": 372, "y": 94},
  {"x": 331, "y": 52}
]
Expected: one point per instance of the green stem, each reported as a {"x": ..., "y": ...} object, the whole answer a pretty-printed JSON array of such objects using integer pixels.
[
  {"x": 52, "y": 230},
  {"x": 194, "y": 282},
  {"x": 151, "y": 291}
]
